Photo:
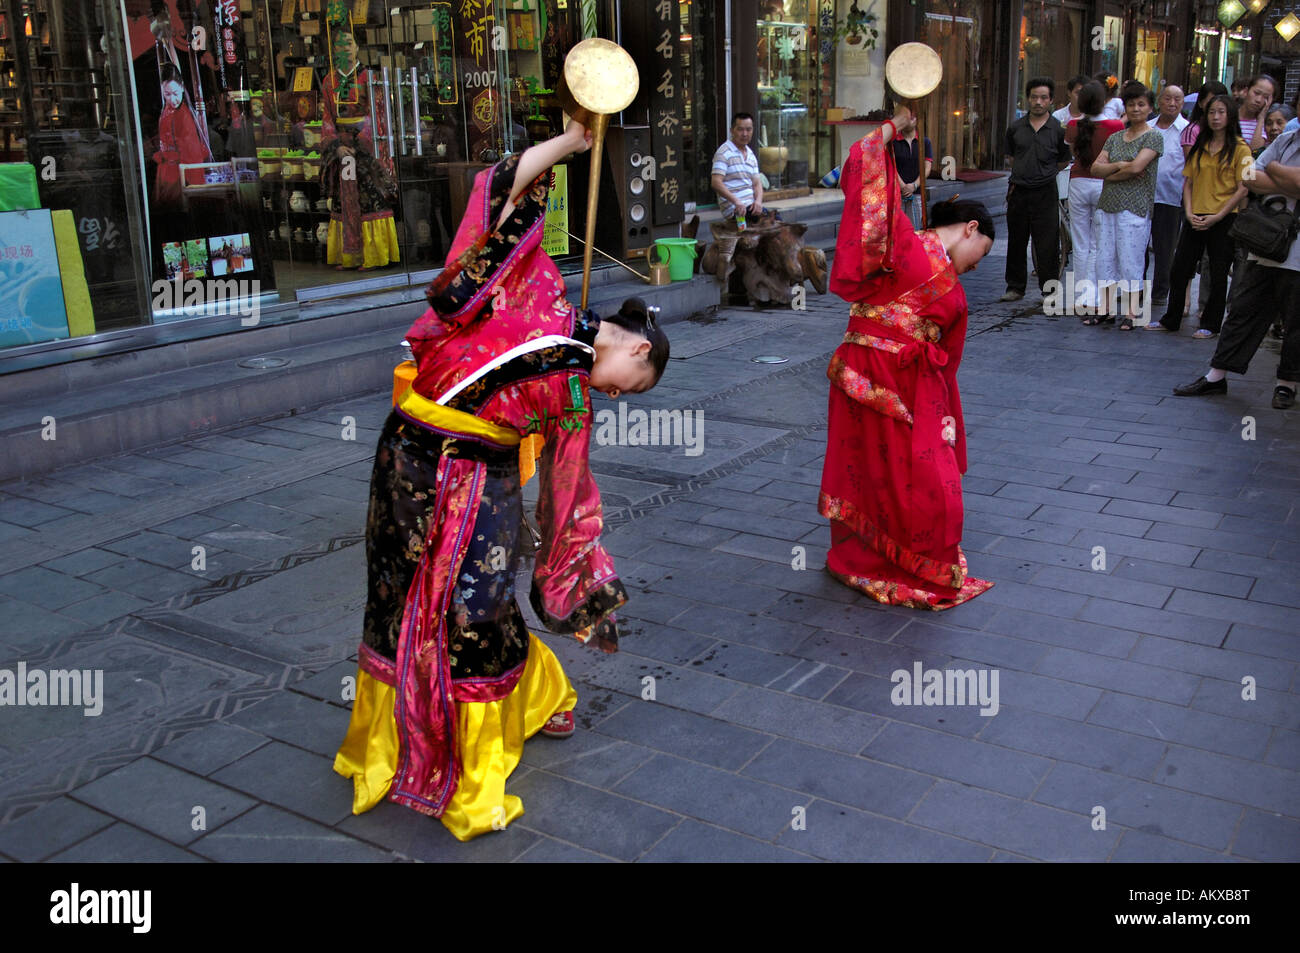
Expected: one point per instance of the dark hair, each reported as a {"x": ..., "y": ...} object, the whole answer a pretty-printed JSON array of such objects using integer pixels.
[
  {"x": 739, "y": 116},
  {"x": 1231, "y": 132},
  {"x": 634, "y": 317},
  {"x": 1273, "y": 82},
  {"x": 1075, "y": 82},
  {"x": 1243, "y": 82},
  {"x": 1041, "y": 81},
  {"x": 1108, "y": 80},
  {"x": 1092, "y": 100},
  {"x": 1133, "y": 85},
  {"x": 954, "y": 212},
  {"x": 1207, "y": 92},
  {"x": 170, "y": 74},
  {"x": 1136, "y": 90}
]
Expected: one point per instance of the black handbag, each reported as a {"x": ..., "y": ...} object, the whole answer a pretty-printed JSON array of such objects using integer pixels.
[{"x": 1267, "y": 228}]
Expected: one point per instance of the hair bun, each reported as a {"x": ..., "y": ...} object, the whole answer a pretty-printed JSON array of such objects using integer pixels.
[{"x": 633, "y": 308}]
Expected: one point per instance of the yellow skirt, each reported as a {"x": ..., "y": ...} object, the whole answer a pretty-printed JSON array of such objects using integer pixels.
[
  {"x": 489, "y": 741},
  {"x": 378, "y": 243}
]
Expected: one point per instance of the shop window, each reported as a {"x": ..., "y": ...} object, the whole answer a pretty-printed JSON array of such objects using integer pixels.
[
  {"x": 1149, "y": 65},
  {"x": 1112, "y": 52},
  {"x": 700, "y": 132},
  {"x": 68, "y": 264},
  {"x": 959, "y": 113},
  {"x": 789, "y": 139},
  {"x": 1051, "y": 44}
]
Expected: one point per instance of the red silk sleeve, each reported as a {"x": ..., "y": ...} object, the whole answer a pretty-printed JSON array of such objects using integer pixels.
[
  {"x": 574, "y": 582},
  {"x": 873, "y": 230}
]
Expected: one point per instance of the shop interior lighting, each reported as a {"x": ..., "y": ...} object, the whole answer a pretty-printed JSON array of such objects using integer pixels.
[
  {"x": 1257, "y": 6},
  {"x": 1288, "y": 26},
  {"x": 1230, "y": 11}
]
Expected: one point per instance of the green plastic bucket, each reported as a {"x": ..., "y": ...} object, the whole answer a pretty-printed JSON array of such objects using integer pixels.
[{"x": 680, "y": 255}]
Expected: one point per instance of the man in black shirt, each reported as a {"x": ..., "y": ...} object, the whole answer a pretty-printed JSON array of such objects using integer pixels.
[
  {"x": 1036, "y": 144},
  {"x": 907, "y": 164}
]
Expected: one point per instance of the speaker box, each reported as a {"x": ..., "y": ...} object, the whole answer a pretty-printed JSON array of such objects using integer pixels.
[{"x": 627, "y": 148}]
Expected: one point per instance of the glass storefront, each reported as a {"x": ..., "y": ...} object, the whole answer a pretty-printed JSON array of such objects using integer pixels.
[
  {"x": 700, "y": 132},
  {"x": 1149, "y": 60},
  {"x": 1202, "y": 63},
  {"x": 68, "y": 254},
  {"x": 1051, "y": 44},
  {"x": 413, "y": 99},
  {"x": 790, "y": 137},
  {"x": 170, "y": 161},
  {"x": 959, "y": 113}
]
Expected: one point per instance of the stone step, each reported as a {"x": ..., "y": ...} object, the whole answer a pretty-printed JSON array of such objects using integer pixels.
[{"x": 120, "y": 403}]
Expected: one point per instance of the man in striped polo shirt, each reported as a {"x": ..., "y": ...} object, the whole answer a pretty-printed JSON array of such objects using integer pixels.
[{"x": 735, "y": 171}]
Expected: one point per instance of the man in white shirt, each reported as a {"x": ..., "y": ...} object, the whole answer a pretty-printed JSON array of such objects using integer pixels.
[
  {"x": 1167, "y": 213},
  {"x": 1071, "y": 109},
  {"x": 1262, "y": 290},
  {"x": 735, "y": 171}
]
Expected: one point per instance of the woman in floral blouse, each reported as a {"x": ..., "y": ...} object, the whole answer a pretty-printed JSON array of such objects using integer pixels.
[{"x": 1127, "y": 166}]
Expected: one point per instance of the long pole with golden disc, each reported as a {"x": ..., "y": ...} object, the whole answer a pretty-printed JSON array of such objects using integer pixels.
[
  {"x": 600, "y": 79},
  {"x": 914, "y": 71}
]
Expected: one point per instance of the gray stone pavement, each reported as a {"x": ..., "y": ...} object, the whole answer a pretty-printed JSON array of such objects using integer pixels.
[{"x": 1144, "y": 555}]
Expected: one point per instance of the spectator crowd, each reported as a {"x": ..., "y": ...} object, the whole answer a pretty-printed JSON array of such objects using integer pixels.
[{"x": 1158, "y": 187}]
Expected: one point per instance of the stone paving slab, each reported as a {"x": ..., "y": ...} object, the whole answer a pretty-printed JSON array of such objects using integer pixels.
[{"x": 1144, "y": 559}]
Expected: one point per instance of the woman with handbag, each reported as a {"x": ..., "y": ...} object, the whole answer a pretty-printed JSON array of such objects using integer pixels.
[
  {"x": 1268, "y": 284},
  {"x": 1213, "y": 189}
]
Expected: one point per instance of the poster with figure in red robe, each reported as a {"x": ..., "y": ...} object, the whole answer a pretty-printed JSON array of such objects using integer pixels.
[{"x": 190, "y": 87}]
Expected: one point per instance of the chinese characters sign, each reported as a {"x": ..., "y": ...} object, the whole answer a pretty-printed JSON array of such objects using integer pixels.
[
  {"x": 654, "y": 42},
  {"x": 444, "y": 45}
]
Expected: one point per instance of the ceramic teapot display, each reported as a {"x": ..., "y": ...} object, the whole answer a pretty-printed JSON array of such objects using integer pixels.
[{"x": 298, "y": 201}]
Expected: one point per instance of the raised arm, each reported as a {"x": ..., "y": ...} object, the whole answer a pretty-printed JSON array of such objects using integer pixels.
[
  {"x": 537, "y": 159},
  {"x": 873, "y": 222}
]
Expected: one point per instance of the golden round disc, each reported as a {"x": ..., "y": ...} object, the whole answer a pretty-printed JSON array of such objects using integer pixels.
[
  {"x": 601, "y": 75},
  {"x": 913, "y": 70}
]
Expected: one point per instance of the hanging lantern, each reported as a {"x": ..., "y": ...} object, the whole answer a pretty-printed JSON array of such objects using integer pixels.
[
  {"x": 1230, "y": 11},
  {"x": 1288, "y": 26}
]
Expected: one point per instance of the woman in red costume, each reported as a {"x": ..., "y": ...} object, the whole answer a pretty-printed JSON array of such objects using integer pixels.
[
  {"x": 178, "y": 141},
  {"x": 450, "y": 680},
  {"x": 896, "y": 448}
]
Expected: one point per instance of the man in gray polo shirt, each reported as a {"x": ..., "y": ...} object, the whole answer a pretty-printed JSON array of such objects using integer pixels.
[
  {"x": 1262, "y": 291},
  {"x": 735, "y": 171}
]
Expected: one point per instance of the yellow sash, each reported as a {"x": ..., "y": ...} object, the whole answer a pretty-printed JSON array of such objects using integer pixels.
[{"x": 444, "y": 418}]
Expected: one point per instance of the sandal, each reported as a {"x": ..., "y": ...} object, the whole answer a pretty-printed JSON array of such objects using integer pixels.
[
  {"x": 1092, "y": 320},
  {"x": 1126, "y": 324}
]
